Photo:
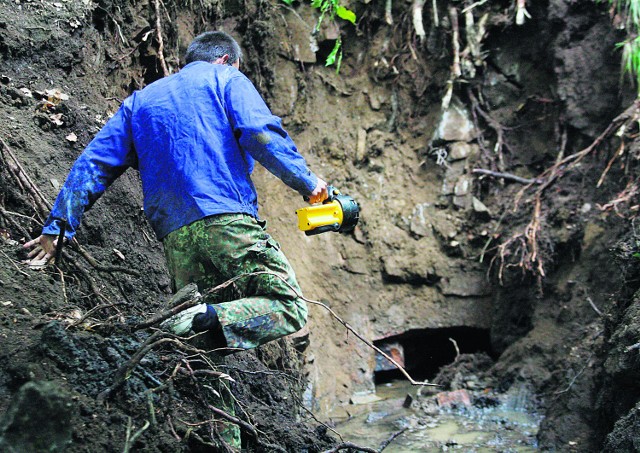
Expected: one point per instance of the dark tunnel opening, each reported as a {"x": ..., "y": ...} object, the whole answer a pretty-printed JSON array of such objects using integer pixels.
[{"x": 423, "y": 352}]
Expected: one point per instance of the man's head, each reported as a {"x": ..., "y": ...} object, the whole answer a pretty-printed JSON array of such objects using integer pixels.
[{"x": 214, "y": 47}]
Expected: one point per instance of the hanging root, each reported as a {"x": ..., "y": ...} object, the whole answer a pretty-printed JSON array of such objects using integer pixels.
[{"x": 418, "y": 25}]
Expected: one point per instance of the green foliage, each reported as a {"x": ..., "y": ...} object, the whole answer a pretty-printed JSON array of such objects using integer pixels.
[
  {"x": 331, "y": 9},
  {"x": 630, "y": 10}
]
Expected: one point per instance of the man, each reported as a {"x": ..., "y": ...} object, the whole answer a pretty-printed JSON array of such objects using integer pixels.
[{"x": 194, "y": 136}]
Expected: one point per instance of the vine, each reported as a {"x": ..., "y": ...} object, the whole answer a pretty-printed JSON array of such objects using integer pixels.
[{"x": 332, "y": 8}]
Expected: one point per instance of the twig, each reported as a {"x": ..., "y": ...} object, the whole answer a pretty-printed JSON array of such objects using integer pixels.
[
  {"x": 130, "y": 440},
  {"x": 94, "y": 309},
  {"x": 509, "y": 176},
  {"x": 455, "y": 345},
  {"x": 64, "y": 286},
  {"x": 596, "y": 309},
  {"x": 386, "y": 443},
  {"x": 476, "y": 4},
  {"x": 619, "y": 152},
  {"x": 352, "y": 330},
  {"x": 97, "y": 266},
  {"x": 14, "y": 264},
  {"x": 416, "y": 13},
  {"x": 350, "y": 445},
  {"x": 60, "y": 243},
  {"x": 456, "y": 70},
  {"x": 388, "y": 15},
  {"x": 551, "y": 174},
  {"x": 24, "y": 180},
  {"x": 559, "y": 392},
  {"x": 198, "y": 299},
  {"x": 246, "y": 426},
  {"x": 163, "y": 63},
  {"x": 436, "y": 19}
]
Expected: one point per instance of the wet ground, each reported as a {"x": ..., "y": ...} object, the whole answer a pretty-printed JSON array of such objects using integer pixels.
[{"x": 509, "y": 426}]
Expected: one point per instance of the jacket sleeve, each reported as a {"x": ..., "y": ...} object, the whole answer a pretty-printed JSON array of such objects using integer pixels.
[
  {"x": 260, "y": 133},
  {"x": 108, "y": 155}
]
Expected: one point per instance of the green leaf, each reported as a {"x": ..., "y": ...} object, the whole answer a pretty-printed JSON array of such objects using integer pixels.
[
  {"x": 346, "y": 14},
  {"x": 636, "y": 255},
  {"x": 288, "y": 2},
  {"x": 316, "y": 3},
  {"x": 331, "y": 59}
]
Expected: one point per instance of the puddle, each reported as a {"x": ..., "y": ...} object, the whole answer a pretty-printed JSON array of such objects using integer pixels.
[{"x": 510, "y": 426}]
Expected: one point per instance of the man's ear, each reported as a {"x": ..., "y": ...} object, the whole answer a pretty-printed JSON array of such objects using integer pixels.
[{"x": 225, "y": 58}]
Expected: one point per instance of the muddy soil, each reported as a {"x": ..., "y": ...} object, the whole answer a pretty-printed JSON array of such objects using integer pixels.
[{"x": 438, "y": 246}]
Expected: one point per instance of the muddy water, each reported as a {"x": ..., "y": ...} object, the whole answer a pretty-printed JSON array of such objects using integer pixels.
[{"x": 509, "y": 426}]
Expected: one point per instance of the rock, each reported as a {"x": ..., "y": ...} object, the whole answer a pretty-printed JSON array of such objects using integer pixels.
[
  {"x": 419, "y": 225},
  {"x": 456, "y": 398},
  {"x": 463, "y": 150},
  {"x": 364, "y": 398},
  {"x": 455, "y": 125},
  {"x": 463, "y": 186},
  {"x": 39, "y": 418},
  {"x": 480, "y": 208},
  {"x": 361, "y": 146}
]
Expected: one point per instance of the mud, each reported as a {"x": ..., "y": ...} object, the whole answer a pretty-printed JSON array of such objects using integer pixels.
[{"x": 427, "y": 252}]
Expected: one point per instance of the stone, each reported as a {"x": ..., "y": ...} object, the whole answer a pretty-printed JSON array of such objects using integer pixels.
[
  {"x": 363, "y": 398},
  {"x": 479, "y": 207},
  {"x": 39, "y": 418},
  {"x": 455, "y": 125},
  {"x": 456, "y": 398},
  {"x": 419, "y": 225},
  {"x": 463, "y": 186},
  {"x": 463, "y": 150}
]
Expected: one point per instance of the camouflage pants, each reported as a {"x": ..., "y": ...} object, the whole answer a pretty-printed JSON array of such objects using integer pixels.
[{"x": 259, "y": 306}]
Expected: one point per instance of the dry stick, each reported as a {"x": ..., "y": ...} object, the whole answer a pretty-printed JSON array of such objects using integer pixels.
[
  {"x": 163, "y": 63},
  {"x": 23, "y": 178},
  {"x": 436, "y": 19},
  {"x": 93, "y": 310},
  {"x": 99, "y": 267},
  {"x": 416, "y": 13},
  {"x": 388, "y": 15},
  {"x": 493, "y": 124},
  {"x": 246, "y": 426},
  {"x": 508, "y": 176},
  {"x": 14, "y": 264},
  {"x": 44, "y": 207},
  {"x": 190, "y": 303},
  {"x": 595, "y": 308},
  {"x": 386, "y": 443},
  {"x": 159, "y": 317},
  {"x": 619, "y": 152},
  {"x": 64, "y": 287},
  {"x": 351, "y": 445},
  {"x": 552, "y": 173},
  {"x": 131, "y": 439}
]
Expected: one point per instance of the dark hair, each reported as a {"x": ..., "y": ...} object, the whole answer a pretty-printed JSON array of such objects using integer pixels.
[{"x": 211, "y": 45}]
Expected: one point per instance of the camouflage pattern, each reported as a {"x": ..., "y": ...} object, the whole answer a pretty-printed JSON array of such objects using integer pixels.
[{"x": 254, "y": 309}]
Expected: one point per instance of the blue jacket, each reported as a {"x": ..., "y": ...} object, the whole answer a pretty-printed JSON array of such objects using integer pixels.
[{"x": 193, "y": 136}]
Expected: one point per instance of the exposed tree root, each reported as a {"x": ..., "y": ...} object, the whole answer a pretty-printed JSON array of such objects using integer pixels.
[{"x": 525, "y": 245}]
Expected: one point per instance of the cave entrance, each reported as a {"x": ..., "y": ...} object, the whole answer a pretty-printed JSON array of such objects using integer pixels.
[{"x": 423, "y": 352}]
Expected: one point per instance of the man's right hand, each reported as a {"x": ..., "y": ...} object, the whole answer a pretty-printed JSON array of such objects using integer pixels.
[
  {"x": 43, "y": 248},
  {"x": 320, "y": 193}
]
